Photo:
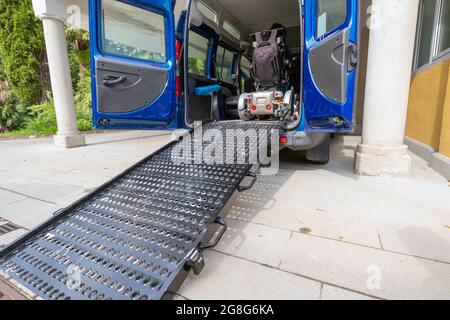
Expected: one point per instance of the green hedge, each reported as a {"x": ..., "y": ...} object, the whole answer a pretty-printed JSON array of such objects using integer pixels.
[{"x": 22, "y": 50}]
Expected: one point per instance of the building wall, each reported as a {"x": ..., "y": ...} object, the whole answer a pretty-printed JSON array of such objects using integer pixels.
[
  {"x": 428, "y": 95},
  {"x": 444, "y": 145}
]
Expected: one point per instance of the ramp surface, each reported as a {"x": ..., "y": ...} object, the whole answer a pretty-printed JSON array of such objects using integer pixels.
[{"x": 134, "y": 236}]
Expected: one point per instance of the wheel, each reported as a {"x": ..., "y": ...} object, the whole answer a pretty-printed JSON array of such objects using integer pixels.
[{"x": 320, "y": 155}]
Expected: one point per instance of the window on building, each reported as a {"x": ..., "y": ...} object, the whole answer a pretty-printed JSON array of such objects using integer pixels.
[
  {"x": 232, "y": 30},
  {"x": 198, "y": 54},
  {"x": 443, "y": 43},
  {"x": 331, "y": 14},
  {"x": 224, "y": 65},
  {"x": 433, "y": 32},
  {"x": 207, "y": 12},
  {"x": 425, "y": 32}
]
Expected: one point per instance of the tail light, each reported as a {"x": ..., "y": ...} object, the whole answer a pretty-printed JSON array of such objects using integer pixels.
[
  {"x": 178, "y": 45},
  {"x": 268, "y": 107},
  {"x": 283, "y": 140}
]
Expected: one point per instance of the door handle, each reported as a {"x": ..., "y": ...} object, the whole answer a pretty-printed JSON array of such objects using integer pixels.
[
  {"x": 111, "y": 80},
  {"x": 352, "y": 57}
]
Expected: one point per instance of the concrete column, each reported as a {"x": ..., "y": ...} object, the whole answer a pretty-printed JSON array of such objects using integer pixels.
[
  {"x": 391, "y": 48},
  {"x": 52, "y": 16}
]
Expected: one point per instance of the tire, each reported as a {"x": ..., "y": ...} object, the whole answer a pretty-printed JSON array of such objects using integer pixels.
[{"x": 320, "y": 155}]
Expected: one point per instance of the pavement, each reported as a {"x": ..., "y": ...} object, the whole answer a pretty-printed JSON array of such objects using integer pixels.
[{"x": 309, "y": 232}]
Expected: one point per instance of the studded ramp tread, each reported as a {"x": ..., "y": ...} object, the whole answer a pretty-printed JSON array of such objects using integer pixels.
[{"x": 130, "y": 238}]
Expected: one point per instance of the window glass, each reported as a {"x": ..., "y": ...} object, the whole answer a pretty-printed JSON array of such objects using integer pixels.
[
  {"x": 207, "y": 12},
  {"x": 426, "y": 32},
  {"x": 219, "y": 61},
  {"x": 228, "y": 27},
  {"x": 198, "y": 54},
  {"x": 246, "y": 67},
  {"x": 330, "y": 15},
  {"x": 444, "y": 27},
  {"x": 132, "y": 32},
  {"x": 224, "y": 64}
]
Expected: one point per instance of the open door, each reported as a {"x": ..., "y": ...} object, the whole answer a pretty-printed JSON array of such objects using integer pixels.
[
  {"x": 330, "y": 76},
  {"x": 133, "y": 64}
]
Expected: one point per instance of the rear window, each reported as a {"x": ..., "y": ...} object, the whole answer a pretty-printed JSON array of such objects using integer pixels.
[
  {"x": 198, "y": 54},
  {"x": 133, "y": 32},
  {"x": 224, "y": 64}
]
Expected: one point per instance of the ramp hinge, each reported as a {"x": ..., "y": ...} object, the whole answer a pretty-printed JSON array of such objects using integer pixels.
[{"x": 196, "y": 262}]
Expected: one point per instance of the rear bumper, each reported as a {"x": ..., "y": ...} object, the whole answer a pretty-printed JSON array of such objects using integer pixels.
[{"x": 300, "y": 140}]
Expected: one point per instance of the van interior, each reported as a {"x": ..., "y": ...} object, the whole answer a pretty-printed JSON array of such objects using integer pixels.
[{"x": 220, "y": 46}]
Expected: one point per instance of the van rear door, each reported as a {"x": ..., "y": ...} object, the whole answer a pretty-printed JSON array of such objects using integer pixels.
[
  {"x": 330, "y": 64},
  {"x": 133, "y": 64}
]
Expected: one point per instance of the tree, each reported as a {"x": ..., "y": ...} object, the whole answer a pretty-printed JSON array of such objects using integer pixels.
[
  {"x": 22, "y": 51},
  {"x": 12, "y": 115},
  {"x": 79, "y": 43}
]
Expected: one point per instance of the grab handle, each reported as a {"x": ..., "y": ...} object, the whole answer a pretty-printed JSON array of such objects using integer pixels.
[
  {"x": 111, "y": 80},
  {"x": 221, "y": 222}
]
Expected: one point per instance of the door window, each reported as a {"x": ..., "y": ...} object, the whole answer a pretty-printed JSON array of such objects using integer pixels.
[
  {"x": 198, "y": 54},
  {"x": 133, "y": 32},
  {"x": 224, "y": 65},
  {"x": 330, "y": 15}
]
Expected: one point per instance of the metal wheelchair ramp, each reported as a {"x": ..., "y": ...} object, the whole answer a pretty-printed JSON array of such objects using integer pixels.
[{"x": 137, "y": 236}]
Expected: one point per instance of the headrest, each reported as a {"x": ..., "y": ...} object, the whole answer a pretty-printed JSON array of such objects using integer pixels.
[{"x": 196, "y": 17}]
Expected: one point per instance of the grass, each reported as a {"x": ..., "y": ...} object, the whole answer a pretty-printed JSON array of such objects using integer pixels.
[{"x": 22, "y": 133}]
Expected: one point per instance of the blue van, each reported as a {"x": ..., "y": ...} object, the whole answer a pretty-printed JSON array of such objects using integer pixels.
[{"x": 152, "y": 72}]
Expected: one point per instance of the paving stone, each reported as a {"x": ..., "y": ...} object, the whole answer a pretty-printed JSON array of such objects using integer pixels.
[
  {"x": 335, "y": 293},
  {"x": 370, "y": 271},
  {"x": 229, "y": 278},
  {"x": 254, "y": 242}
]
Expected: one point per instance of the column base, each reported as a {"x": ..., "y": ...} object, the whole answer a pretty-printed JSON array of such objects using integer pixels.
[
  {"x": 69, "y": 141},
  {"x": 382, "y": 161}
]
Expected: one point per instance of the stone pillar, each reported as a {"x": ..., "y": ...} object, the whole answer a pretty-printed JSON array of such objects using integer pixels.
[
  {"x": 52, "y": 15},
  {"x": 391, "y": 48}
]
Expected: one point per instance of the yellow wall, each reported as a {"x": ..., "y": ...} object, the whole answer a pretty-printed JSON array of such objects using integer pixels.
[
  {"x": 444, "y": 147},
  {"x": 428, "y": 93}
]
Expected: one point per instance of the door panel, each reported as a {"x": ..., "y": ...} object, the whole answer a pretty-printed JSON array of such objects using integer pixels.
[
  {"x": 331, "y": 38},
  {"x": 133, "y": 64},
  {"x": 329, "y": 64},
  {"x": 141, "y": 85}
]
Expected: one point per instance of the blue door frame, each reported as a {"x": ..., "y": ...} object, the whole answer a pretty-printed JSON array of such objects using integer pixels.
[
  {"x": 157, "y": 114},
  {"x": 321, "y": 112}
]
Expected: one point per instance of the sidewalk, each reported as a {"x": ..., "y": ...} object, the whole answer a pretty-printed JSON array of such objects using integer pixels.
[{"x": 309, "y": 232}]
